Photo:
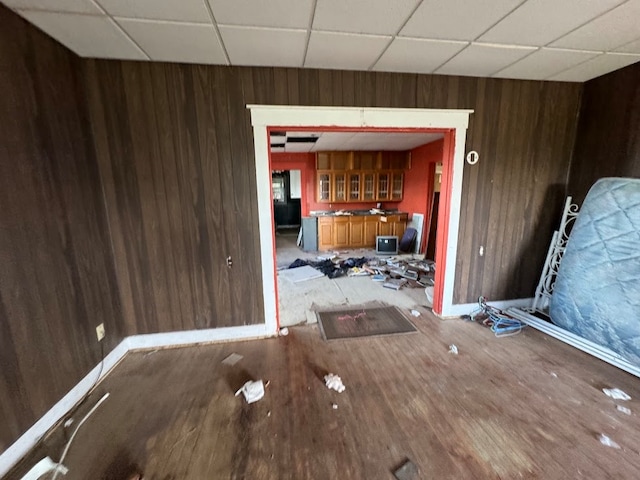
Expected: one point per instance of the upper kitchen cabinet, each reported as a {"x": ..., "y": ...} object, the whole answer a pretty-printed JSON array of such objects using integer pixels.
[
  {"x": 361, "y": 176},
  {"x": 334, "y": 161}
]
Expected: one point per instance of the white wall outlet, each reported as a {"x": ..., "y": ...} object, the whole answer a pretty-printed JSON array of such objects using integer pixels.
[
  {"x": 100, "y": 332},
  {"x": 481, "y": 251}
]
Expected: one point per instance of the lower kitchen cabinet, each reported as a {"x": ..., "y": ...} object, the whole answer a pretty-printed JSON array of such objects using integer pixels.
[
  {"x": 358, "y": 231},
  {"x": 341, "y": 232},
  {"x": 325, "y": 233}
]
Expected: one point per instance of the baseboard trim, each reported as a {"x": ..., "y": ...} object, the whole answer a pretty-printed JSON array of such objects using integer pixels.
[
  {"x": 12, "y": 455},
  {"x": 192, "y": 337},
  {"x": 21, "y": 447},
  {"x": 467, "y": 308}
]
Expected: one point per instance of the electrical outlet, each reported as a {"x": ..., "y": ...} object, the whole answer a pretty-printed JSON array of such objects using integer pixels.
[{"x": 100, "y": 332}]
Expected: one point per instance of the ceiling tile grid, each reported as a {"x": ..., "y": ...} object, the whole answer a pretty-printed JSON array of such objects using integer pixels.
[
  {"x": 567, "y": 40},
  {"x": 483, "y": 60},
  {"x": 175, "y": 41}
]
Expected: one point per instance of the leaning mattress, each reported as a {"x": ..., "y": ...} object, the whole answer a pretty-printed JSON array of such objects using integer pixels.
[{"x": 597, "y": 290}]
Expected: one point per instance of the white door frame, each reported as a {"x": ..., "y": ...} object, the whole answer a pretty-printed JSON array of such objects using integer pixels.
[{"x": 264, "y": 116}]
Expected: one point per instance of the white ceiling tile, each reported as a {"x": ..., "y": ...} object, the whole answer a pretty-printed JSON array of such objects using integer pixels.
[
  {"x": 613, "y": 29},
  {"x": 481, "y": 60},
  {"x": 70, "y": 6},
  {"x": 272, "y": 13},
  {"x": 596, "y": 67},
  {"x": 177, "y": 11},
  {"x": 175, "y": 42},
  {"x": 456, "y": 19},
  {"x": 264, "y": 46},
  {"x": 343, "y": 50},
  {"x": 277, "y": 149},
  {"x": 382, "y": 17},
  {"x": 417, "y": 55},
  {"x": 303, "y": 134},
  {"x": 298, "y": 147},
  {"x": 86, "y": 35},
  {"x": 632, "y": 47},
  {"x": 538, "y": 22},
  {"x": 545, "y": 63}
]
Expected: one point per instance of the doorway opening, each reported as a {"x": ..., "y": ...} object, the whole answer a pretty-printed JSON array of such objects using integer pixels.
[{"x": 450, "y": 123}]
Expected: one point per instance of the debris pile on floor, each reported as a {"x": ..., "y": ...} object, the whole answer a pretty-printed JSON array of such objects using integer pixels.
[
  {"x": 394, "y": 272},
  {"x": 500, "y": 323}
]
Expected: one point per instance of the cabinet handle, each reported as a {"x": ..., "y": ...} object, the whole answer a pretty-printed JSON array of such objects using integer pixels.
[{"x": 229, "y": 262}]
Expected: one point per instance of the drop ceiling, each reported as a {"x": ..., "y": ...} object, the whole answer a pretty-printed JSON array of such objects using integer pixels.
[
  {"x": 296, "y": 142},
  {"x": 566, "y": 40}
]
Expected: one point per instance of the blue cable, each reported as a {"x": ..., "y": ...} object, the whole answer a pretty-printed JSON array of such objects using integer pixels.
[{"x": 501, "y": 324}]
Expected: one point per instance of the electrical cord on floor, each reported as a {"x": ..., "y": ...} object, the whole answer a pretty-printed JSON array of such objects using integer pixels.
[
  {"x": 78, "y": 403},
  {"x": 73, "y": 435},
  {"x": 501, "y": 324}
]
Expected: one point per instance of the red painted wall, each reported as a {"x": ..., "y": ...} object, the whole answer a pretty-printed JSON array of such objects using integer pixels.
[{"x": 418, "y": 183}]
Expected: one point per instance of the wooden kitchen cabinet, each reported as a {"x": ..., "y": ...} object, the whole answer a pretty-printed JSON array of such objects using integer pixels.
[
  {"x": 341, "y": 232},
  {"x": 385, "y": 227},
  {"x": 368, "y": 187},
  {"x": 370, "y": 230},
  {"x": 356, "y": 232},
  {"x": 339, "y": 187},
  {"x": 354, "y": 183},
  {"x": 324, "y": 187},
  {"x": 383, "y": 189},
  {"x": 325, "y": 233},
  {"x": 397, "y": 182}
]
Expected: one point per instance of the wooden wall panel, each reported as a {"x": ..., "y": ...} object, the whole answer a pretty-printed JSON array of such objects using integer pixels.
[
  {"x": 57, "y": 280},
  {"x": 608, "y": 138},
  {"x": 175, "y": 151},
  {"x": 523, "y": 130}
]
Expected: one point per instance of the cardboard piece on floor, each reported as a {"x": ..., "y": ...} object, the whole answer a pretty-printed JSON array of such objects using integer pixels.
[
  {"x": 232, "y": 359},
  {"x": 300, "y": 274},
  {"x": 408, "y": 471}
]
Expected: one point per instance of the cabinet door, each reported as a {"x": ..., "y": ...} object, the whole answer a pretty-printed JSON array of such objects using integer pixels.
[
  {"x": 370, "y": 231},
  {"x": 339, "y": 187},
  {"x": 368, "y": 187},
  {"x": 341, "y": 160},
  {"x": 323, "y": 161},
  {"x": 341, "y": 232},
  {"x": 325, "y": 233},
  {"x": 398, "y": 228},
  {"x": 324, "y": 187},
  {"x": 397, "y": 181},
  {"x": 383, "y": 190},
  {"x": 355, "y": 187},
  {"x": 356, "y": 232},
  {"x": 385, "y": 228}
]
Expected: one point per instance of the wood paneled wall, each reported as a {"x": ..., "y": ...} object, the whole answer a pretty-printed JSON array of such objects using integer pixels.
[
  {"x": 608, "y": 137},
  {"x": 175, "y": 151},
  {"x": 57, "y": 280},
  {"x": 175, "y": 144}
]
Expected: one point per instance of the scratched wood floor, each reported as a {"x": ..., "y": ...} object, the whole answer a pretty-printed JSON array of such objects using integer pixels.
[{"x": 526, "y": 406}]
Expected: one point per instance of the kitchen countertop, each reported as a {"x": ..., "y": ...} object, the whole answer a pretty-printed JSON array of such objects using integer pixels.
[{"x": 352, "y": 213}]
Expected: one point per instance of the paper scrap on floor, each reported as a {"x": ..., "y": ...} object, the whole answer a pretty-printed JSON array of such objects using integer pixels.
[
  {"x": 300, "y": 274},
  {"x": 232, "y": 359}
]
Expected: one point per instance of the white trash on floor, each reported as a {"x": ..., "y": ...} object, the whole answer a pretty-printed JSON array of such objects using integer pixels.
[
  {"x": 616, "y": 394},
  {"x": 334, "y": 382},
  {"x": 252, "y": 391}
]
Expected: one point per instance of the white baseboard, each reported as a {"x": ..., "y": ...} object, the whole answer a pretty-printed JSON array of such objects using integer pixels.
[
  {"x": 467, "y": 308},
  {"x": 190, "y": 337},
  {"x": 28, "y": 440},
  {"x": 12, "y": 455}
]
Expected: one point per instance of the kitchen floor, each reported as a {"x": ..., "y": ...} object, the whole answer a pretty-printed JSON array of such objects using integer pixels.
[{"x": 298, "y": 302}]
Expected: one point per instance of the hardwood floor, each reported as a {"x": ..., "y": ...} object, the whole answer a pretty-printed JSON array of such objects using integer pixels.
[{"x": 525, "y": 406}]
